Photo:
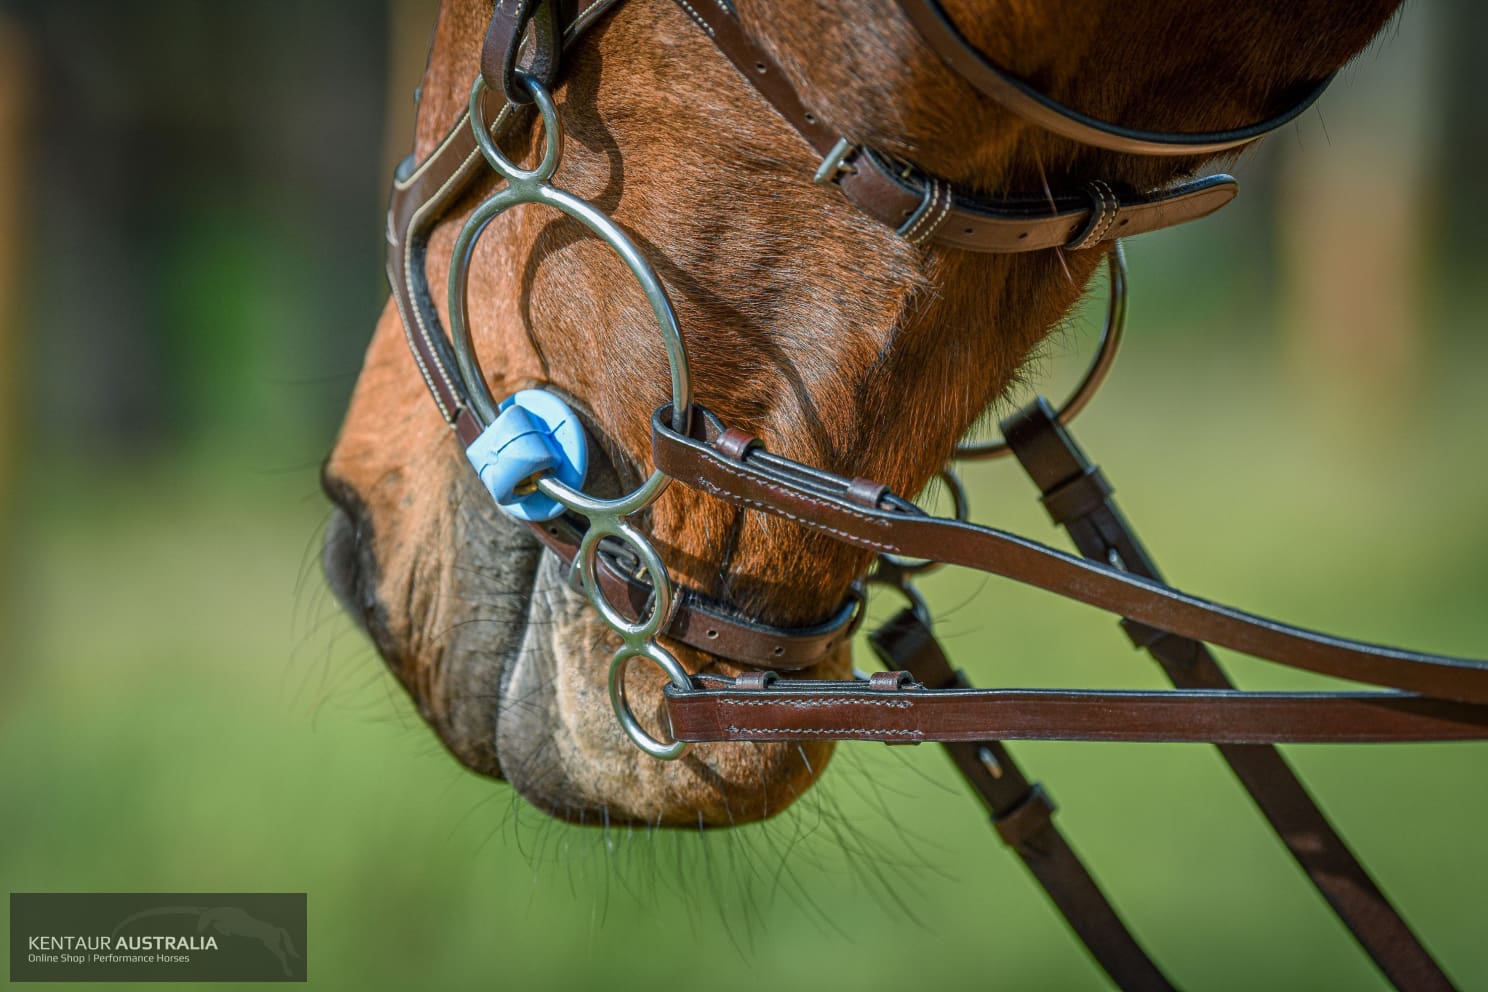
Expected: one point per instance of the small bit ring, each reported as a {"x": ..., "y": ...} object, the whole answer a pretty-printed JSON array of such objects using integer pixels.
[
  {"x": 552, "y": 127},
  {"x": 648, "y": 626},
  {"x": 666, "y": 751}
]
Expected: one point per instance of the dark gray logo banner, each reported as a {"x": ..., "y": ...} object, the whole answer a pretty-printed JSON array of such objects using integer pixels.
[{"x": 157, "y": 937}]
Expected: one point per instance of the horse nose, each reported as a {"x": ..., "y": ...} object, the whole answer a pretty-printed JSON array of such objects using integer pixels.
[{"x": 342, "y": 551}]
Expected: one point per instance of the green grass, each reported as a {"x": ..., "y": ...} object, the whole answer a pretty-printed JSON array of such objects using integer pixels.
[{"x": 185, "y": 710}]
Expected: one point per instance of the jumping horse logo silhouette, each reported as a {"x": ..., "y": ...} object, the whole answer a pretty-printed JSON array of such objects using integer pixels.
[{"x": 229, "y": 921}]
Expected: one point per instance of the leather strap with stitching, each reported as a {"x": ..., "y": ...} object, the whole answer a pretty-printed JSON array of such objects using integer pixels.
[
  {"x": 926, "y": 210},
  {"x": 804, "y": 709},
  {"x": 1018, "y": 224},
  {"x": 818, "y": 500},
  {"x": 505, "y": 36},
  {"x": 705, "y": 625}
]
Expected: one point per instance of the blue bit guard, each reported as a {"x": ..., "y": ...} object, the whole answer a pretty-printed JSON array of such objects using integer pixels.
[{"x": 535, "y": 433}]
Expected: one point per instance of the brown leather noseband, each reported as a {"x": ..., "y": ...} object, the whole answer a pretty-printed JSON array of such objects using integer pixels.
[{"x": 1425, "y": 697}]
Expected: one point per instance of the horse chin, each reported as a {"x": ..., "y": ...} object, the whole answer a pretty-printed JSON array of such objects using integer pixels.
[
  {"x": 509, "y": 665},
  {"x": 562, "y": 748}
]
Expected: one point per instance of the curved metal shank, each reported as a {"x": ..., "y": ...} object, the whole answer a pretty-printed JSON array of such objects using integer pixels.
[{"x": 606, "y": 517}]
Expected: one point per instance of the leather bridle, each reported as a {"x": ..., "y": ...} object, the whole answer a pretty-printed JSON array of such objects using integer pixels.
[{"x": 529, "y": 452}]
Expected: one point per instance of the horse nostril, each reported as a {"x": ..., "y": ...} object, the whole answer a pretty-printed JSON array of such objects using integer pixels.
[
  {"x": 338, "y": 490},
  {"x": 338, "y": 559},
  {"x": 345, "y": 554}
]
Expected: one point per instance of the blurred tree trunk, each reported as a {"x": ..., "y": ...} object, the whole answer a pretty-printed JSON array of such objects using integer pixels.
[
  {"x": 1357, "y": 216},
  {"x": 14, "y": 91},
  {"x": 1463, "y": 24}
]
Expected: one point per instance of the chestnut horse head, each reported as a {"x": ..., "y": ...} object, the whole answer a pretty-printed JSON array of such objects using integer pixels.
[{"x": 809, "y": 323}]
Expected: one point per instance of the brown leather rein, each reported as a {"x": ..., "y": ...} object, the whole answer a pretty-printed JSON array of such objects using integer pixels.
[
  {"x": 1427, "y": 698},
  {"x": 1445, "y": 694}
]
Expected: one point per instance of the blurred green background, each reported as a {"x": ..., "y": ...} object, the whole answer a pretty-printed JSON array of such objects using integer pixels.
[{"x": 190, "y": 238}]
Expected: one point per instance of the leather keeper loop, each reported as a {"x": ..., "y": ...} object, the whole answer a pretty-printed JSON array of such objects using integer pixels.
[
  {"x": 504, "y": 41},
  {"x": 866, "y": 492},
  {"x": 1079, "y": 497},
  {"x": 1020, "y": 823},
  {"x": 889, "y": 681},
  {"x": 935, "y": 206},
  {"x": 755, "y": 680},
  {"x": 735, "y": 443},
  {"x": 1104, "y": 206}
]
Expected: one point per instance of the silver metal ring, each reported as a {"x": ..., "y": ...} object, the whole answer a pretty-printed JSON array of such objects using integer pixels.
[
  {"x": 648, "y": 626},
  {"x": 552, "y": 132},
  {"x": 1095, "y": 375},
  {"x": 666, "y": 751}
]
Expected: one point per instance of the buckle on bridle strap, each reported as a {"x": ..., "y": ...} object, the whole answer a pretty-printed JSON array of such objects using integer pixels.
[{"x": 834, "y": 163}]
